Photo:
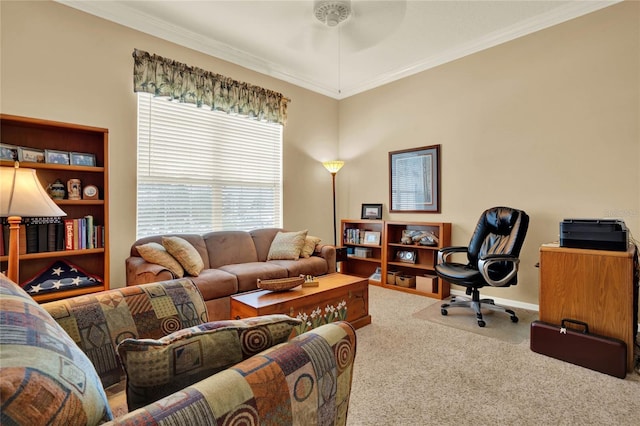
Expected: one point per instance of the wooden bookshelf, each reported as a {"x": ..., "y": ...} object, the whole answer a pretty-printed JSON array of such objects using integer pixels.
[
  {"x": 353, "y": 233},
  {"x": 383, "y": 255},
  {"x": 43, "y": 134}
]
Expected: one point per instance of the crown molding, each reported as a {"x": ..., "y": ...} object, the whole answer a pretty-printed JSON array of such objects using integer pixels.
[
  {"x": 557, "y": 16},
  {"x": 132, "y": 18}
]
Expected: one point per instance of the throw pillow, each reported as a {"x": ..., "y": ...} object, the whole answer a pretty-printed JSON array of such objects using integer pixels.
[
  {"x": 157, "y": 368},
  {"x": 309, "y": 246},
  {"x": 156, "y": 253},
  {"x": 184, "y": 253},
  {"x": 287, "y": 245},
  {"x": 46, "y": 378}
]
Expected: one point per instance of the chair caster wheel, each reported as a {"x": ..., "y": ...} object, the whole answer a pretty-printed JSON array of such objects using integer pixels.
[
  {"x": 514, "y": 319},
  {"x": 481, "y": 323},
  {"x": 443, "y": 312}
]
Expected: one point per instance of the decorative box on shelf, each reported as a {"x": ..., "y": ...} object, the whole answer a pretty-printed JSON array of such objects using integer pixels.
[
  {"x": 427, "y": 283},
  {"x": 391, "y": 277},
  {"x": 406, "y": 281},
  {"x": 362, "y": 252}
]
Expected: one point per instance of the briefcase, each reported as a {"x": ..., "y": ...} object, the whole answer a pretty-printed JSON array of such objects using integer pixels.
[{"x": 604, "y": 354}]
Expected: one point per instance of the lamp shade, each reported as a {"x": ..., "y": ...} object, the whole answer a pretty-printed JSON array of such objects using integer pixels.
[
  {"x": 333, "y": 166},
  {"x": 21, "y": 194}
]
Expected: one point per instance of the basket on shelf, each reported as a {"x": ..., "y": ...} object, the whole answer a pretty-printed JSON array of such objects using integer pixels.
[{"x": 280, "y": 284}]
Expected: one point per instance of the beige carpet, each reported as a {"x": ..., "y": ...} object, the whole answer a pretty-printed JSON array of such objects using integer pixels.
[
  {"x": 499, "y": 326},
  {"x": 411, "y": 371}
]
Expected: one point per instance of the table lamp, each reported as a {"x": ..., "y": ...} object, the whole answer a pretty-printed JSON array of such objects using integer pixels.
[{"x": 21, "y": 194}]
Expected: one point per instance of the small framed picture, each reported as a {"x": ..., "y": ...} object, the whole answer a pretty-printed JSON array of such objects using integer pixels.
[
  {"x": 371, "y": 211},
  {"x": 372, "y": 238},
  {"x": 56, "y": 157},
  {"x": 8, "y": 152},
  {"x": 82, "y": 159},
  {"x": 31, "y": 155}
]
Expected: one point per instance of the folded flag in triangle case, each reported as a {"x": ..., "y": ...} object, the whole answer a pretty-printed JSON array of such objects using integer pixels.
[{"x": 60, "y": 275}]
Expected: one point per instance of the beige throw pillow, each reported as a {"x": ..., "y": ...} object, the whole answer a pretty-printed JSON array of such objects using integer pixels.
[
  {"x": 287, "y": 245},
  {"x": 156, "y": 253},
  {"x": 184, "y": 253},
  {"x": 309, "y": 246}
]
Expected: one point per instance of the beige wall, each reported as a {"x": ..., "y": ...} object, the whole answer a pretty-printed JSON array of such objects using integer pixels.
[
  {"x": 547, "y": 123},
  {"x": 58, "y": 63}
]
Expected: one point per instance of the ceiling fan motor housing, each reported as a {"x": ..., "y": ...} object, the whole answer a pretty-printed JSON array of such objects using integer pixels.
[{"x": 332, "y": 12}]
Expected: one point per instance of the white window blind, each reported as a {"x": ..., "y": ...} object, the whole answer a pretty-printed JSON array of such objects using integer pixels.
[{"x": 201, "y": 170}]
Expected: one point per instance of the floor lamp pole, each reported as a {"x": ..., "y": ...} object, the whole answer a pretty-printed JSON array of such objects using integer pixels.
[
  {"x": 335, "y": 228},
  {"x": 333, "y": 167}
]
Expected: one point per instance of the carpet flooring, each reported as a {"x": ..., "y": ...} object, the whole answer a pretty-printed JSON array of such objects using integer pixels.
[{"x": 412, "y": 371}]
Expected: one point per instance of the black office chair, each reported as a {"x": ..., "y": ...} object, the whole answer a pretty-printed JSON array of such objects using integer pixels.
[{"x": 492, "y": 260}]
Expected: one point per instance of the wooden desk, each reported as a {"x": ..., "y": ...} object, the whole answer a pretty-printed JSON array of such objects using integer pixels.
[{"x": 594, "y": 286}]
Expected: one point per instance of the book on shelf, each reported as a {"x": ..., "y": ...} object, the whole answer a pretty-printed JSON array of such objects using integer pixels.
[
  {"x": 83, "y": 233},
  {"x": 47, "y": 234},
  {"x": 36, "y": 235}
]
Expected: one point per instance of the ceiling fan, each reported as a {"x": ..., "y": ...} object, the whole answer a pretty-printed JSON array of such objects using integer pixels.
[{"x": 360, "y": 23}]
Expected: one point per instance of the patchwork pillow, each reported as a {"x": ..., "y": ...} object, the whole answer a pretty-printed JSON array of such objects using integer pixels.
[
  {"x": 98, "y": 322},
  {"x": 156, "y": 253},
  {"x": 184, "y": 253},
  {"x": 287, "y": 245},
  {"x": 309, "y": 246},
  {"x": 60, "y": 275},
  {"x": 157, "y": 368},
  {"x": 46, "y": 378}
]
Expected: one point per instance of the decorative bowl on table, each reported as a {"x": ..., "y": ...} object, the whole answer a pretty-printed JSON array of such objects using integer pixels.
[{"x": 280, "y": 284}]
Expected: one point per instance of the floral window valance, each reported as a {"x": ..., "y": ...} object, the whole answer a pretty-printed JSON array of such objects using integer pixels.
[{"x": 177, "y": 81}]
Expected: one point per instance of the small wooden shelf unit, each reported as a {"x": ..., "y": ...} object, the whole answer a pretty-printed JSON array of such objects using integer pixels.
[
  {"x": 43, "y": 134},
  {"x": 383, "y": 255}
]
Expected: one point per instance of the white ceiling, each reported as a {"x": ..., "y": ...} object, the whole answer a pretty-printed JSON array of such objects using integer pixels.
[{"x": 380, "y": 42}]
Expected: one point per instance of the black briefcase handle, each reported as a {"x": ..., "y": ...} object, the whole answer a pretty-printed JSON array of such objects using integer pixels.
[{"x": 584, "y": 324}]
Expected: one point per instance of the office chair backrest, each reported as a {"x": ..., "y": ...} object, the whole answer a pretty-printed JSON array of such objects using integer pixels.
[{"x": 500, "y": 230}]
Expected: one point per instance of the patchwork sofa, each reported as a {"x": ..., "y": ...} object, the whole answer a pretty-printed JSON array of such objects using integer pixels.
[
  {"x": 232, "y": 262},
  {"x": 61, "y": 362}
]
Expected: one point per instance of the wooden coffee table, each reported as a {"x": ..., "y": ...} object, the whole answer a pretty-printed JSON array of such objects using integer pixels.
[{"x": 333, "y": 290}]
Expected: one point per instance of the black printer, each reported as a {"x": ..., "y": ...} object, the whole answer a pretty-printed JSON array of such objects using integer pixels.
[{"x": 597, "y": 234}]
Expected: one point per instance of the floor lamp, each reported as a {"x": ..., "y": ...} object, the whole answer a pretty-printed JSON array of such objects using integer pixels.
[
  {"x": 21, "y": 194},
  {"x": 333, "y": 167}
]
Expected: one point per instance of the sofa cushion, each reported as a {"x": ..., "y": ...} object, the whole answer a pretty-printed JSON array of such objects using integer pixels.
[
  {"x": 262, "y": 239},
  {"x": 46, "y": 378},
  {"x": 184, "y": 253},
  {"x": 287, "y": 245},
  {"x": 157, "y": 368},
  {"x": 216, "y": 283},
  {"x": 247, "y": 274},
  {"x": 156, "y": 253},
  {"x": 230, "y": 247},
  {"x": 98, "y": 322},
  {"x": 313, "y": 265},
  {"x": 309, "y": 246}
]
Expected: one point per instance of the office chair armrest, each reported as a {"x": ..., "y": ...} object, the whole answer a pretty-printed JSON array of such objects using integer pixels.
[
  {"x": 444, "y": 253},
  {"x": 487, "y": 261}
]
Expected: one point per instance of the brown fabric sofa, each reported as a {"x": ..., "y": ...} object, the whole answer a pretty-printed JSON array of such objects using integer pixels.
[{"x": 233, "y": 262}]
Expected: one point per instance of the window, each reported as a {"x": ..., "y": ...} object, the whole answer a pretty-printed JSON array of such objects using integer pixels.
[{"x": 201, "y": 170}]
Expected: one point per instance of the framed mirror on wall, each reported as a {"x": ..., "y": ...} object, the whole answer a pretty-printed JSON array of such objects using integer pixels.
[{"x": 414, "y": 180}]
